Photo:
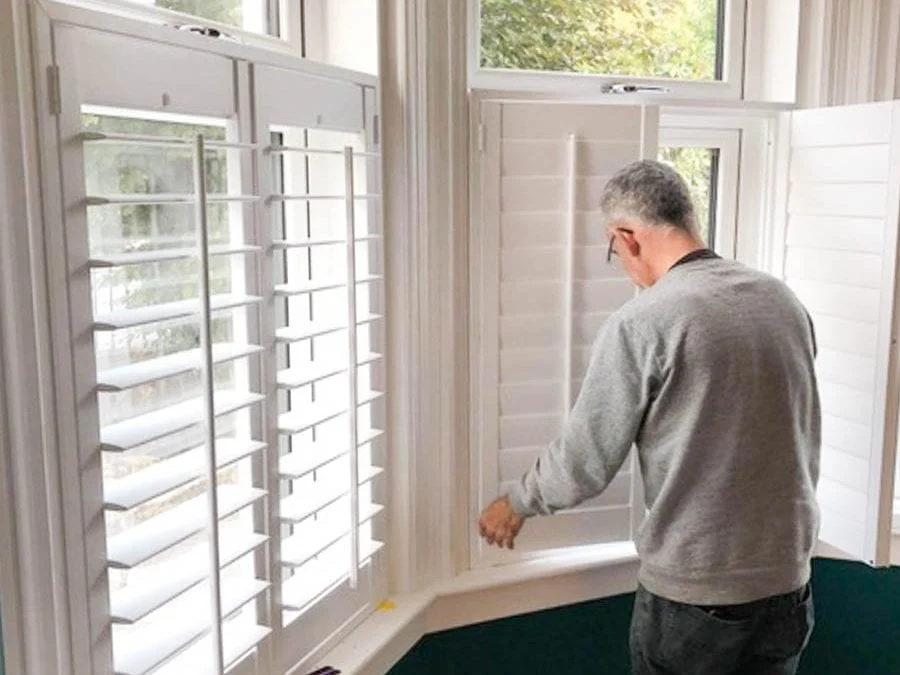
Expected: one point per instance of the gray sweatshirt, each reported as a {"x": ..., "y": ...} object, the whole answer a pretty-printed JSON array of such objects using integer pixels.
[{"x": 710, "y": 374}]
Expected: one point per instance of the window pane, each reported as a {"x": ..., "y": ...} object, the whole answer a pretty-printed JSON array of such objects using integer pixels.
[
  {"x": 678, "y": 39},
  {"x": 700, "y": 169},
  {"x": 154, "y": 485},
  {"x": 247, "y": 14}
]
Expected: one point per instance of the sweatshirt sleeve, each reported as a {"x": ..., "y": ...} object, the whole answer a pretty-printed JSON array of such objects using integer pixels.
[{"x": 601, "y": 428}]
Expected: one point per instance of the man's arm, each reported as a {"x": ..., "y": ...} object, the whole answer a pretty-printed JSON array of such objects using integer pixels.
[{"x": 620, "y": 382}]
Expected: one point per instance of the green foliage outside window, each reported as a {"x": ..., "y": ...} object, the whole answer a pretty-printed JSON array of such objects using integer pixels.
[
  {"x": 646, "y": 38},
  {"x": 222, "y": 11},
  {"x": 698, "y": 168}
]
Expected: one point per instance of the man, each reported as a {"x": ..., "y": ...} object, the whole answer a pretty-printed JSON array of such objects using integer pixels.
[{"x": 709, "y": 373}]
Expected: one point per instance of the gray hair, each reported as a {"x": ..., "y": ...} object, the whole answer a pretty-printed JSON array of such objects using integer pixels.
[{"x": 650, "y": 192}]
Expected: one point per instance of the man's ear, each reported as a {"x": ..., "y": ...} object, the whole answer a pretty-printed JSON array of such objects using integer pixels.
[{"x": 630, "y": 242}]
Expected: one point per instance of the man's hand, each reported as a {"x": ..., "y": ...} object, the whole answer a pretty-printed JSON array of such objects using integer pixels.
[{"x": 499, "y": 523}]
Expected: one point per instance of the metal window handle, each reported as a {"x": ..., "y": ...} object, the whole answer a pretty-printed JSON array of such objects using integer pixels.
[{"x": 633, "y": 88}]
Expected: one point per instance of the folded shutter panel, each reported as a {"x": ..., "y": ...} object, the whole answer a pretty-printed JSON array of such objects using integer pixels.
[
  {"x": 542, "y": 288},
  {"x": 321, "y": 183},
  {"x": 840, "y": 257}
]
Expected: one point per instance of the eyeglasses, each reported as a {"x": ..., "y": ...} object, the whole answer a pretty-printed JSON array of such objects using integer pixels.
[{"x": 610, "y": 252}]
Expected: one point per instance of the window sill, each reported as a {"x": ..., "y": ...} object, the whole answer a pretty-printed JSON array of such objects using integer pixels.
[{"x": 483, "y": 595}]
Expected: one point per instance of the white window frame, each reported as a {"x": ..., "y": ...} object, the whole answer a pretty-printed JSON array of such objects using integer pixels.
[
  {"x": 746, "y": 138},
  {"x": 275, "y": 15},
  {"x": 554, "y": 84}
]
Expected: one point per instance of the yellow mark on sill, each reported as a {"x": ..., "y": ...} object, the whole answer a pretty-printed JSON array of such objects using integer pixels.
[{"x": 386, "y": 605}]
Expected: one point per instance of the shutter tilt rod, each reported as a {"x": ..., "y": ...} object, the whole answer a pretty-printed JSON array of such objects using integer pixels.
[
  {"x": 569, "y": 269},
  {"x": 208, "y": 406},
  {"x": 352, "y": 361}
]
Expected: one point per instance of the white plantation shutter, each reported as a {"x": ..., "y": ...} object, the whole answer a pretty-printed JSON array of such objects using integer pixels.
[
  {"x": 321, "y": 186},
  {"x": 218, "y": 310},
  {"x": 147, "y": 293},
  {"x": 541, "y": 290},
  {"x": 840, "y": 257}
]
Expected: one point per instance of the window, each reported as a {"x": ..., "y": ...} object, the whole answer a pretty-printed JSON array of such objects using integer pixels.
[
  {"x": 700, "y": 169},
  {"x": 249, "y": 15},
  {"x": 341, "y": 33},
  {"x": 679, "y": 39},
  {"x": 145, "y": 294},
  {"x": 708, "y": 159},
  {"x": 220, "y": 313},
  {"x": 328, "y": 369},
  {"x": 682, "y": 48}
]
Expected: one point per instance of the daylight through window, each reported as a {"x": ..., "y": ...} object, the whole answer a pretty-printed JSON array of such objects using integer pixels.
[{"x": 678, "y": 39}]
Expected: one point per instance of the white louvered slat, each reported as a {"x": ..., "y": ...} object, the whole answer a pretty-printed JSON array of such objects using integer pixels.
[
  {"x": 94, "y": 137},
  {"x": 299, "y": 376},
  {"x": 318, "y": 198},
  {"x": 149, "y": 652},
  {"x": 315, "y": 285},
  {"x": 140, "y": 199},
  {"x": 161, "y": 532},
  {"x": 298, "y": 507},
  {"x": 298, "y": 550},
  {"x": 307, "y": 457},
  {"x": 295, "y": 422},
  {"x": 304, "y": 332},
  {"x": 130, "y": 318},
  {"x": 133, "y": 603},
  {"x": 164, "y": 255},
  {"x": 237, "y": 641},
  {"x": 323, "y": 241},
  {"x": 143, "y": 372},
  {"x": 316, "y": 577},
  {"x": 121, "y": 494},
  {"x": 136, "y": 431}
]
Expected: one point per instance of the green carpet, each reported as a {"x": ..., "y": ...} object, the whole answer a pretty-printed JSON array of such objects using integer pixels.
[{"x": 857, "y": 633}]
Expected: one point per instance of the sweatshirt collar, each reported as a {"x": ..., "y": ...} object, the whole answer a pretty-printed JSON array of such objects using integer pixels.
[{"x": 699, "y": 254}]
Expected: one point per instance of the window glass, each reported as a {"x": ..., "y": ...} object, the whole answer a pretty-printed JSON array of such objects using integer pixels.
[
  {"x": 700, "y": 169},
  {"x": 246, "y": 14},
  {"x": 679, "y": 39}
]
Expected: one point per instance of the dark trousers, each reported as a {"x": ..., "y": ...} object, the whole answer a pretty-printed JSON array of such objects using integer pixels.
[{"x": 765, "y": 637}]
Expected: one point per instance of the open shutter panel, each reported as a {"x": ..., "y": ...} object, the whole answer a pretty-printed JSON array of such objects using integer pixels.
[
  {"x": 320, "y": 178},
  {"x": 542, "y": 290},
  {"x": 840, "y": 257}
]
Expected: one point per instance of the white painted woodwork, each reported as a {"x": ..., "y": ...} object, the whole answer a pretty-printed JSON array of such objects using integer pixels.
[
  {"x": 840, "y": 257},
  {"x": 526, "y": 334}
]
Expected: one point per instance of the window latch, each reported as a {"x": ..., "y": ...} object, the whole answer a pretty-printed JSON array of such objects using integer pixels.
[
  {"x": 633, "y": 88},
  {"x": 207, "y": 31}
]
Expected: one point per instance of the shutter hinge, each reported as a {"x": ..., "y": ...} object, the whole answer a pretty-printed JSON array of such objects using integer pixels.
[
  {"x": 53, "y": 94},
  {"x": 482, "y": 137},
  {"x": 376, "y": 134}
]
